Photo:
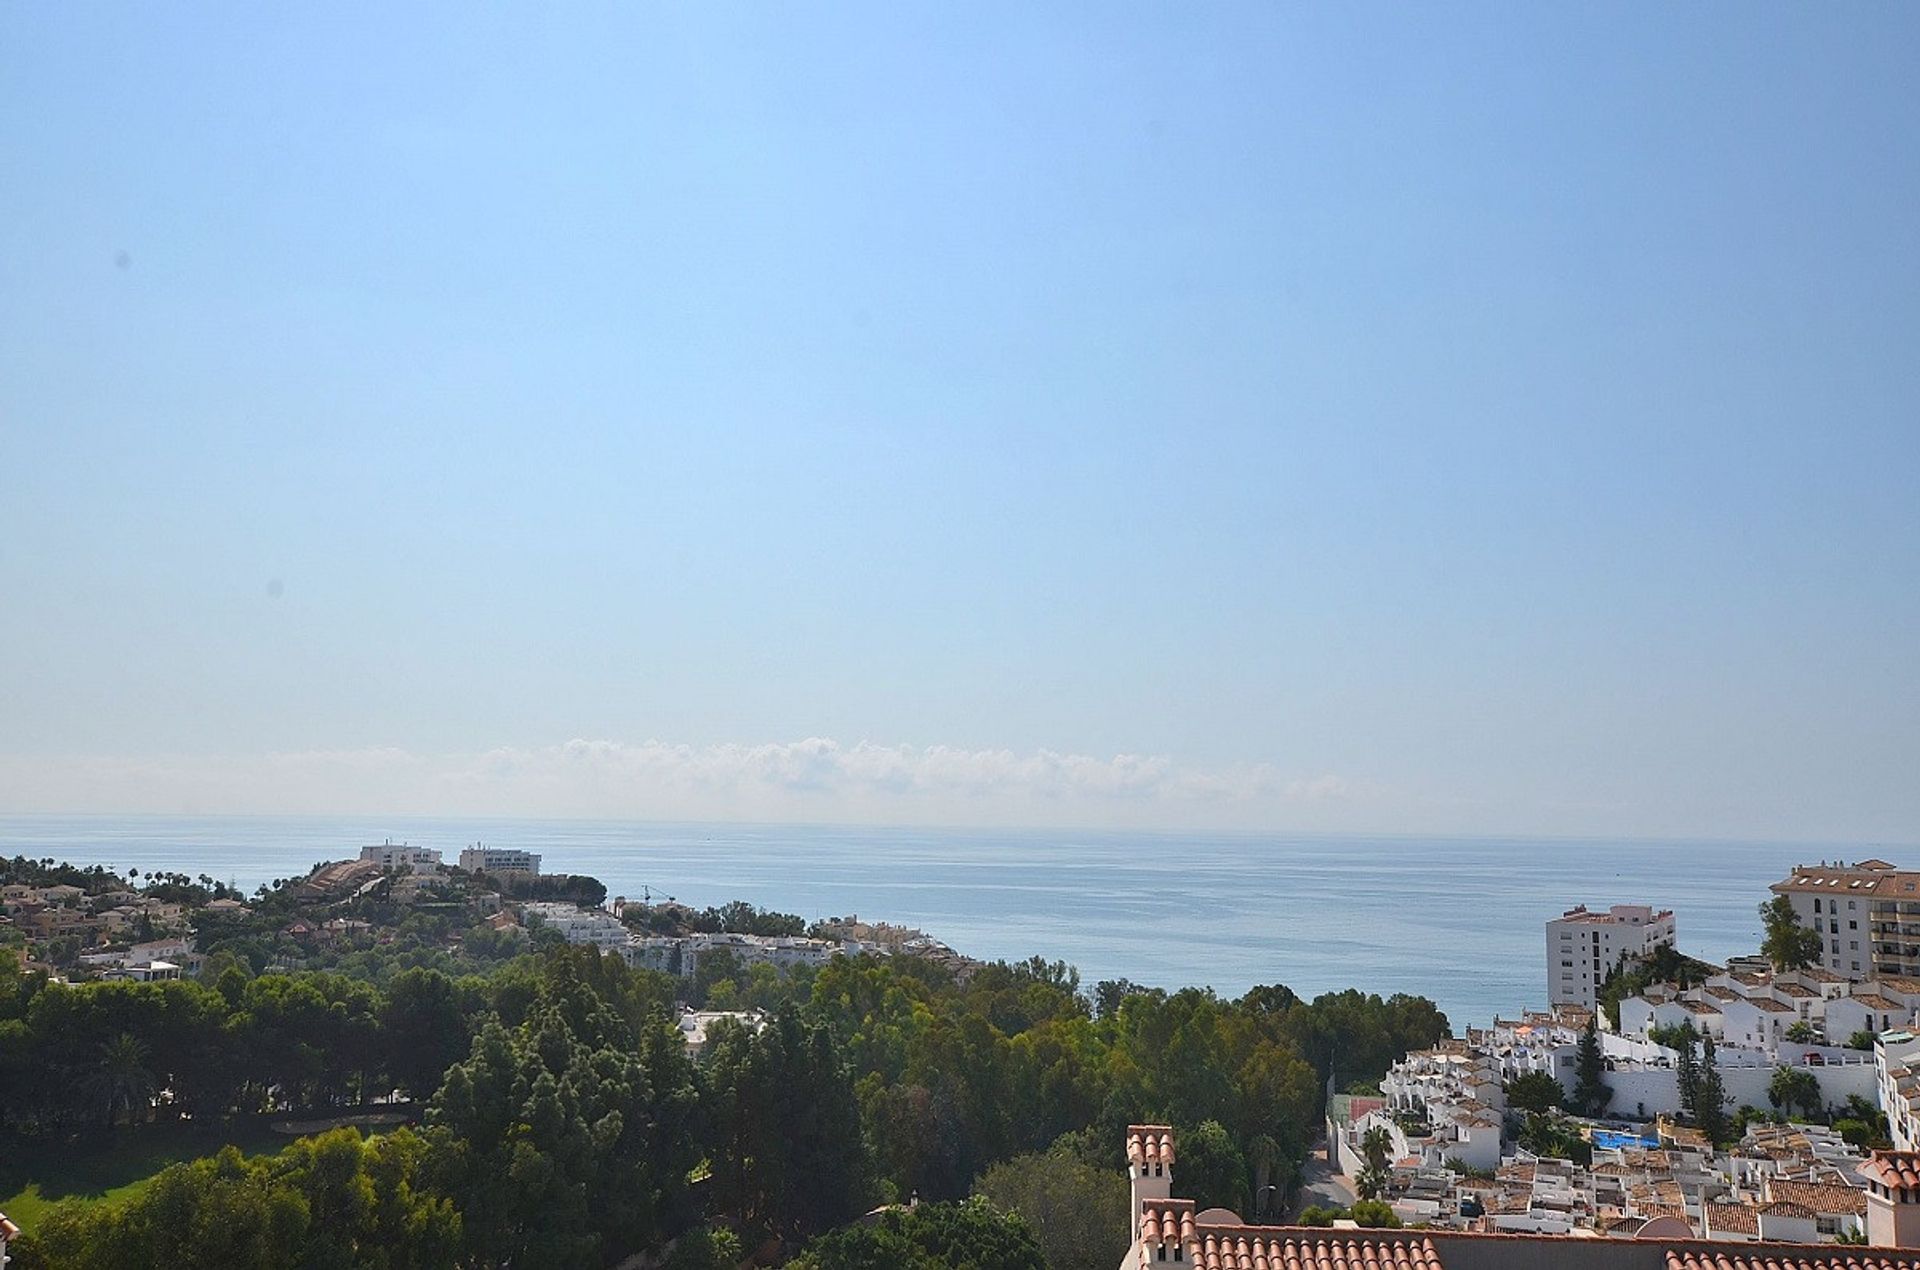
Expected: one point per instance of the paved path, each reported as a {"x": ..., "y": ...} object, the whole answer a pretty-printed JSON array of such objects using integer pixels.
[{"x": 1321, "y": 1185}]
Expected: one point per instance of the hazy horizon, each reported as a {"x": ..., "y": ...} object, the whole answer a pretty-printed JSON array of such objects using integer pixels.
[{"x": 1482, "y": 421}]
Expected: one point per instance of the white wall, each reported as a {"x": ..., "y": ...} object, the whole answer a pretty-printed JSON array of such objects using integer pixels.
[{"x": 1659, "y": 1088}]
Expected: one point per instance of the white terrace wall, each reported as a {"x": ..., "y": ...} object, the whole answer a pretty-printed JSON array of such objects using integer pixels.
[{"x": 1658, "y": 1088}]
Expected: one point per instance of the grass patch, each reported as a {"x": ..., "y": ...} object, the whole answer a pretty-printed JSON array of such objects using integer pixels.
[{"x": 36, "y": 1173}]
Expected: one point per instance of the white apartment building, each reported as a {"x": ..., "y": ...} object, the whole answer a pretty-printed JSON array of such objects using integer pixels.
[
  {"x": 580, "y": 925},
  {"x": 392, "y": 855},
  {"x": 1585, "y": 946},
  {"x": 483, "y": 859},
  {"x": 1868, "y": 915},
  {"x": 1896, "y": 1060}
]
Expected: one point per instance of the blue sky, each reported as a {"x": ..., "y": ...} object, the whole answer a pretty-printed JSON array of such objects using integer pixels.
[{"x": 1456, "y": 419}]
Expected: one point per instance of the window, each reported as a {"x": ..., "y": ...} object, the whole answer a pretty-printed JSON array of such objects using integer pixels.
[
  {"x": 1853, "y": 925},
  {"x": 1849, "y": 903},
  {"x": 1816, "y": 903},
  {"x": 1853, "y": 945},
  {"x": 1856, "y": 965}
]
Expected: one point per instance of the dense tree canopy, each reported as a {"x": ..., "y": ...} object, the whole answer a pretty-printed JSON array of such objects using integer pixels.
[
  {"x": 962, "y": 1236},
  {"x": 562, "y": 1123}
]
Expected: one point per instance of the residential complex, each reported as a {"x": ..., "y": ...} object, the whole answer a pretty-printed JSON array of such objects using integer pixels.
[
  {"x": 483, "y": 859},
  {"x": 579, "y": 925},
  {"x": 1868, "y": 915},
  {"x": 1585, "y": 946},
  {"x": 391, "y": 855},
  {"x": 1664, "y": 1210}
]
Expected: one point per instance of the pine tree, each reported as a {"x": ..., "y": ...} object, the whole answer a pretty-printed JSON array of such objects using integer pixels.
[
  {"x": 1687, "y": 1072},
  {"x": 1590, "y": 1092},
  {"x": 1710, "y": 1097}
]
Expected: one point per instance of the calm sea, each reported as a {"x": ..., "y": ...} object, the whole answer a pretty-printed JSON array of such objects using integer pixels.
[{"x": 1458, "y": 920}]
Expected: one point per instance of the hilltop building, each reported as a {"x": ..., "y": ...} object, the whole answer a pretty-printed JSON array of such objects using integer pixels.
[
  {"x": 391, "y": 855},
  {"x": 1868, "y": 915},
  {"x": 1584, "y": 947},
  {"x": 484, "y": 859}
]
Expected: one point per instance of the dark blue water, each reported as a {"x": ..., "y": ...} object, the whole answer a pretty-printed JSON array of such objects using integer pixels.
[{"x": 1458, "y": 920}]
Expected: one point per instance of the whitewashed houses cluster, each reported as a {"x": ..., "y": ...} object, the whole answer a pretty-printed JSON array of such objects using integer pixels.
[
  {"x": 1443, "y": 1110},
  {"x": 1758, "y": 1008},
  {"x": 680, "y": 954}
]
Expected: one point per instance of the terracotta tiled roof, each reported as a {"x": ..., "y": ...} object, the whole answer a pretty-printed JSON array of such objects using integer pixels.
[
  {"x": 1901, "y": 984},
  {"x": 1770, "y": 1005},
  {"x": 1725, "y": 994},
  {"x": 1874, "y": 1001},
  {"x": 1832, "y": 881},
  {"x": 1166, "y": 1221},
  {"x": 1737, "y": 1218},
  {"x": 1893, "y": 1168},
  {"x": 1248, "y": 1247},
  {"x": 1151, "y": 1143},
  {"x": 1789, "y": 1257},
  {"x": 1787, "y": 1208},
  {"x": 1819, "y": 1196}
]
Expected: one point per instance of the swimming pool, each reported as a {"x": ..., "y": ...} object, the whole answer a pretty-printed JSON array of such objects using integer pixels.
[{"x": 1614, "y": 1140}]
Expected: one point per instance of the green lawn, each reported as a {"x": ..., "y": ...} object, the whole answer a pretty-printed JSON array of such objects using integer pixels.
[{"x": 35, "y": 1174}]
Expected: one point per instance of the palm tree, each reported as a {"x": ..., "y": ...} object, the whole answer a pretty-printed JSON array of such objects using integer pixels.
[
  {"x": 1263, "y": 1153},
  {"x": 121, "y": 1078},
  {"x": 1376, "y": 1146}
]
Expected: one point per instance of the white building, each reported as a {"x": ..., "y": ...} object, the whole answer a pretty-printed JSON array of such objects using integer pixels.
[
  {"x": 580, "y": 925},
  {"x": 392, "y": 855},
  {"x": 1584, "y": 947},
  {"x": 483, "y": 859},
  {"x": 1868, "y": 915}
]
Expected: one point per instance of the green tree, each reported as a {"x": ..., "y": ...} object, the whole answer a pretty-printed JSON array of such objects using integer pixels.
[
  {"x": 1376, "y": 1147},
  {"x": 1795, "y": 1087},
  {"x": 1710, "y": 1097},
  {"x": 972, "y": 1235},
  {"x": 1787, "y": 944},
  {"x": 325, "y": 1203},
  {"x": 1534, "y": 1091},
  {"x": 425, "y": 1029},
  {"x": 570, "y": 1133},
  {"x": 1211, "y": 1169},
  {"x": 1590, "y": 1092},
  {"x": 1686, "y": 1070},
  {"x": 1802, "y": 1033},
  {"x": 1374, "y": 1212},
  {"x": 787, "y": 1148},
  {"x": 1078, "y": 1213},
  {"x": 121, "y": 1080},
  {"x": 705, "y": 1248}
]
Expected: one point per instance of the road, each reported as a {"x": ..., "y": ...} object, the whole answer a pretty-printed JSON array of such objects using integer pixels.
[{"x": 1321, "y": 1185}]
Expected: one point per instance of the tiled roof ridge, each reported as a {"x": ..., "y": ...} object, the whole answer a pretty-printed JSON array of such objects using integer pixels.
[
  {"x": 1150, "y": 1143},
  {"x": 1894, "y": 1168}
]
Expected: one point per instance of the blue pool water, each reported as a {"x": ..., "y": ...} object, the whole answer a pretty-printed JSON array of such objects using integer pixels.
[{"x": 1612, "y": 1140}]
